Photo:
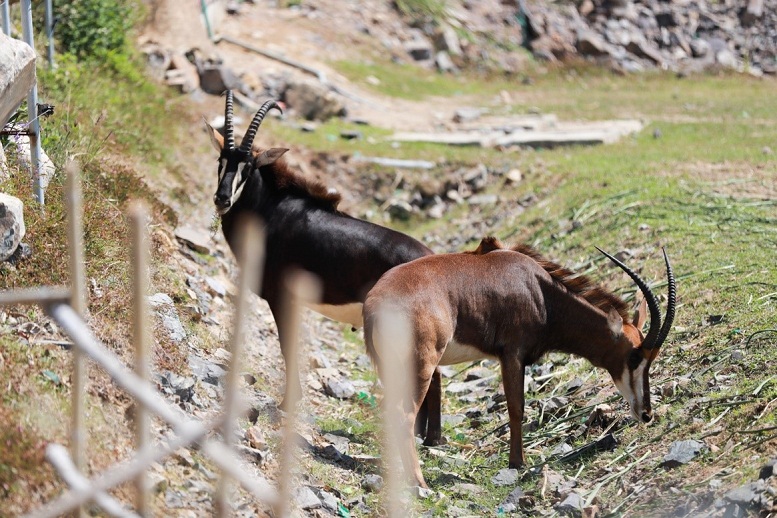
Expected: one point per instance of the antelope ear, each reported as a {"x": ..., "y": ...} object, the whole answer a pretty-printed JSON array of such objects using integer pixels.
[
  {"x": 640, "y": 315},
  {"x": 615, "y": 322},
  {"x": 270, "y": 156},
  {"x": 215, "y": 137}
]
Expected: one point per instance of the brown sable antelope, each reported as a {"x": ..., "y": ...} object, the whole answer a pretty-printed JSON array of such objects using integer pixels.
[
  {"x": 514, "y": 306},
  {"x": 305, "y": 230}
]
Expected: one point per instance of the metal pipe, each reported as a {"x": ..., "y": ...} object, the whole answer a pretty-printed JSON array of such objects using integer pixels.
[
  {"x": 50, "y": 32},
  {"x": 32, "y": 106},
  {"x": 42, "y": 295},
  {"x": 6, "y": 14}
]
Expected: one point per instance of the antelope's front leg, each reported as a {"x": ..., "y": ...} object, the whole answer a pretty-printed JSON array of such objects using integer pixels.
[{"x": 512, "y": 378}]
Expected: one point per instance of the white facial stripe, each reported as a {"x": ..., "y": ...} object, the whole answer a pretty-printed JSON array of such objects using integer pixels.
[
  {"x": 631, "y": 388},
  {"x": 222, "y": 168},
  {"x": 237, "y": 183}
]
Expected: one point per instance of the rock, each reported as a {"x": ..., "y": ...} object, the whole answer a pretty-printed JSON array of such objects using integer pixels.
[
  {"x": 769, "y": 469},
  {"x": 197, "y": 240},
  {"x": 181, "y": 386},
  {"x": 589, "y": 43},
  {"x": 351, "y": 135},
  {"x": 22, "y": 149},
  {"x": 478, "y": 372},
  {"x": 514, "y": 497},
  {"x": 23, "y": 251},
  {"x": 467, "y": 114},
  {"x": 483, "y": 199},
  {"x": 17, "y": 75},
  {"x": 572, "y": 505},
  {"x": 421, "y": 492},
  {"x": 514, "y": 176},
  {"x": 339, "y": 388},
  {"x": 372, "y": 483},
  {"x": 745, "y": 495},
  {"x": 174, "y": 499},
  {"x": 446, "y": 39},
  {"x": 305, "y": 498},
  {"x": 328, "y": 500},
  {"x": 444, "y": 62},
  {"x": 312, "y": 101},
  {"x": 215, "y": 77},
  {"x": 339, "y": 442},
  {"x": 727, "y": 59},
  {"x": 562, "y": 449},
  {"x": 682, "y": 452},
  {"x": 419, "y": 48},
  {"x": 181, "y": 73},
  {"x": 399, "y": 210},
  {"x": 205, "y": 370},
  {"x": 12, "y": 227},
  {"x": 255, "y": 438},
  {"x": 505, "y": 477},
  {"x": 215, "y": 287},
  {"x": 169, "y": 316}
]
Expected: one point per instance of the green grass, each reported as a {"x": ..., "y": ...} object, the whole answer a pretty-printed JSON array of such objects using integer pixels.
[{"x": 705, "y": 190}]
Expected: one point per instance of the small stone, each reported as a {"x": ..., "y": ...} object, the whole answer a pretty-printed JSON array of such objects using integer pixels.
[
  {"x": 306, "y": 499},
  {"x": 483, "y": 199},
  {"x": 514, "y": 497},
  {"x": 421, "y": 492},
  {"x": 372, "y": 483},
  {"x": 572, "y": 505},
  {"x": 160, "y": 299},
  {"x": 351, "y": 135},
  {"x": 505, "y": 477},
  {"x": 339, "y": 388},
  {"x": 766, "y": 150},
  {"x": 477, "y": 373},
  {"x": 399, "y": 210},
  {"x": 255, "y": 438},
  {"x": 197, "y": 240},
  {"x": 682, "y": 452},
  {"x": 514, "y": 176},
  {"x": 328, "y": 500},
  {"x": 215, "y": 287},
  {"x": 746, "y": 494},
  {"x": 184, "y": 457},
  {"x": 562, "y": 449},
  {"x": 737, "y": 355},
  {"x": 341, "y": 443},
  {"x": 769, "y": 469},
  {"x": 173, "y": 499}
]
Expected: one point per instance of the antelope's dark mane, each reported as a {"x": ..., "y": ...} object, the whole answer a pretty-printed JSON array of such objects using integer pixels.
[
  {"x": 287, "y": 179},
  {"x": 580, "y": 285}
]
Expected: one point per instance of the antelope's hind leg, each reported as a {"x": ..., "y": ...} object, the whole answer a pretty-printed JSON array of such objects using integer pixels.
[
  {"x": 432, "y": 406},
  {"x": 512, "y": 378}
]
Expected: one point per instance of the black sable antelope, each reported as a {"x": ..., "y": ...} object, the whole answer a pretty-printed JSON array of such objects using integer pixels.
[
  {"x": 305, "y": 230},
  {"x": 514, "y": 306}
]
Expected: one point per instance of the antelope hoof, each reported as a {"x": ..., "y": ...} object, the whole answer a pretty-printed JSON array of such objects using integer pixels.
[{"x": 435, "y": 441}]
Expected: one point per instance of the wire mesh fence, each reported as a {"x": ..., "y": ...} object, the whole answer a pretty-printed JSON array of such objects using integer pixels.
[{"x": 213, "y": 436}]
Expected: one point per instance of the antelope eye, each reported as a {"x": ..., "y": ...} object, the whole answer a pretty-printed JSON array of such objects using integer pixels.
[{"x": 635, "y": 358}]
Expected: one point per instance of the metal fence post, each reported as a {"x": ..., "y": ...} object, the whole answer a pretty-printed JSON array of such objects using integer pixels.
[
  {"x": 50, "y": 32},
  {"x": 6, "y": 13},
  {"x": 32, "y": 106}
]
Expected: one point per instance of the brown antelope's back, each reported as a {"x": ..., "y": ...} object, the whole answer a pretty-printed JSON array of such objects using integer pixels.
[{"x": 477, "y": 300}]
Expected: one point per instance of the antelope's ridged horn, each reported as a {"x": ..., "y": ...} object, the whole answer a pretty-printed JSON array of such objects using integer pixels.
[
  {"x": 248, "y": 138},
  {"x": 655, "y": 312},
  {"x": 229, "y": 131},
  {"x": 670, "y": 304}
]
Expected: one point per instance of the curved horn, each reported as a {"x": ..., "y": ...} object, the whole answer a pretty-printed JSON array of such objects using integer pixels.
[
  {"x": 248, "y": 138},
  {"x": 670, "y": 304},
  {"x": 655, "y": 312},
  {"x": 228, "y": 129}
]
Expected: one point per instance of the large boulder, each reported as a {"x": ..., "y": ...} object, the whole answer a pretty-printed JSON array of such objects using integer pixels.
[
  {"x": 11, "y": 225},
  {"x": 313, "y": 101},
  {"x": 17, "y": 74}
]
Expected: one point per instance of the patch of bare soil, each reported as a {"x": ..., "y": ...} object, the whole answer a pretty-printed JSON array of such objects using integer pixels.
[{"x": 736, "y": 180}]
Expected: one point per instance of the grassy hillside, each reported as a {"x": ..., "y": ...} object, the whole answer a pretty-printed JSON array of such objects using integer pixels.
[{"x": 699, "y": 180}]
